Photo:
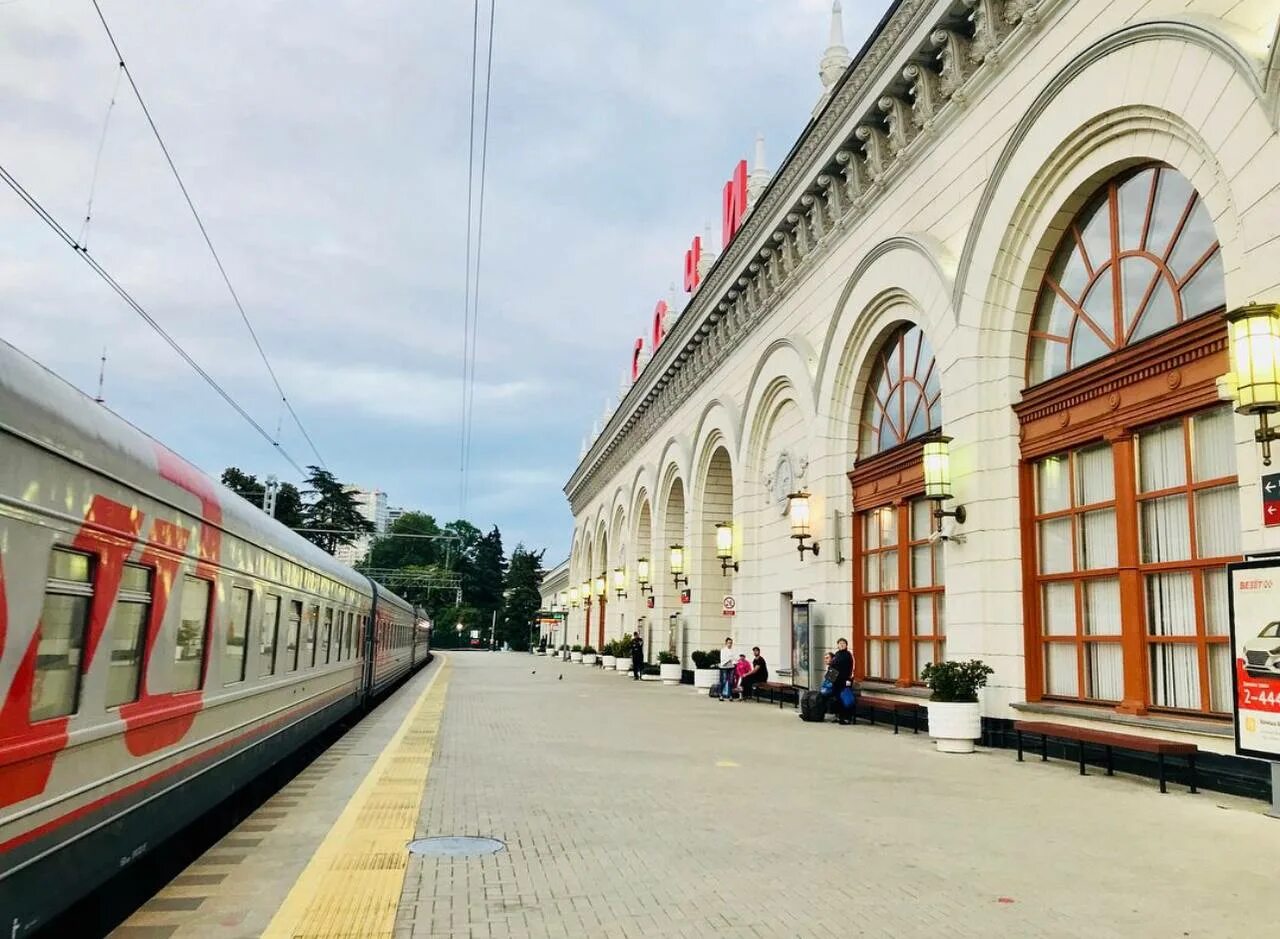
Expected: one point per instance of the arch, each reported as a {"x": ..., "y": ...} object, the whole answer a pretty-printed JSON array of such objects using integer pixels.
[
  {"x": 790, "y": 361},
  {"x": 718, "y": 418}
]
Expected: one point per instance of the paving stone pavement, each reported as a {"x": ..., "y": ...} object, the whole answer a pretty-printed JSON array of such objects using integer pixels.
[{"x": 634, "y": 809}]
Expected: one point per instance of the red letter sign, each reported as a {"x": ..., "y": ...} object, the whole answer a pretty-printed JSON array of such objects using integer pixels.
[
  {"x": 635, "y": 360},
  {"x": 691, "y": 259},
  {"x": 659, "y": 324},
  {"x": 734, "y": 205}
]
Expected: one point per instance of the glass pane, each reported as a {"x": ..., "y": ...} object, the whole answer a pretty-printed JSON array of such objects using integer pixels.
[
  {"x": 1206, "y": 290},
  {"x": 1193, "y": 241},
  {"x": 1175, "y": 676},
  {"x": 188, "y": 651},
  {"x": 1137, "y": 277},
  {"x": 1061, "y": 676},
  {"x": 1096, "y": 235},
  {"x": 312, "y": 626},
  {"x": 1161, "y": 312},
  {"x": 1166, "y": 531},
  {"x": 1172, "y": 194},
  {"x": 1053, "y": 314},
  {"x": 233, "y": 660},
  {"x": 328, "y": 632},
  {"x": 873, "y": 618},
  {"x": 1217, "y": 617},
  {"x": 1213, "y": 446},
  {"x": 291, "y": 644},
  {"x": 875, "y": 659},
  {"x": 870, "y": 530},
  {"x": 1161, "y": 458},
  {"x": 1134, "y": 194},
  {"x": 924, "y": 656},
  {"x": 135, "y": 579},
  {"x": 1104, "y": 671},
  {"x": 268, "y": 637},
  {"x": 1086, "y": 344},
  {"x": 914, "y": 415},
  {"x": 1048, "y": 359},
  {"x": 921, "y": 519},
  {"x": 1051, "y": 485},
  {"x": 1171, "y": 604},
  {"x": 69, "y": 566},
  {"x": 871, "y": 573},
  {"x": 1058, "y": 608},
  {"x": 889, "y": 570},
  {"x": 1095, "y": 476},
  {"x": 1220, "y": 677},
  {"x": 1218, "y": 522},
  {"x": 1102, "y": 607},
  {"x": 1096, "y": 540},
  {"x": 888, "y": 519},
  {"x": 125, "y": 667},
  {"x": 940, "y": 614},
  {"x": 922, "y": 610},
  {"x": 922, "y": 566},
  {"x": 889, "y": 615},
  {"x": 61, "y": 638},
  {"x": 1055, "y": 546},
  {"x": 892, "y": 667}
]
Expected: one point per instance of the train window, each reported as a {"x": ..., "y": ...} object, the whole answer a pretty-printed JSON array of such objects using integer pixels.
[
  {"x": 67, "y": 597},
  {"x": 295, "y": 625},
  {"x": 188, "y": 650},
  {"x": 128, "y": 630},
  {"x": 328, "y": 633},
  {"x": 270, "y": 633},
  {"x": 234, "y": 658},
  {"x": 313, "y": 626}
]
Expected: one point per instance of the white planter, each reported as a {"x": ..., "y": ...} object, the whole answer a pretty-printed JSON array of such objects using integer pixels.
[
  {"x": 670, "y": 674},
  {"x": 954, "y": 725},
  {"x": 609, "y": 662},
  {"x": 588, "y": 658},
  {"x": 575, "y": 656},
  {"x": 623, "y": 665},
  {"x": 705, "y": 678}
]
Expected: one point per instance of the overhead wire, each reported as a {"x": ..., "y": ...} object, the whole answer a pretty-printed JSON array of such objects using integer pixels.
[
  {"x": 475, "y": 294},
  {"x": 466, "y": 296},
  {"x": 83, "y": 253},
  {"x": 97, "y": 160},
  {"x": 226, "y": 279}
]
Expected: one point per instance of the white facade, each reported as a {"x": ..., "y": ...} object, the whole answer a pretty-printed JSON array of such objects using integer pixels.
[
  {"x": 931, "y": 190},
  {"x": 372, "y": 504}
]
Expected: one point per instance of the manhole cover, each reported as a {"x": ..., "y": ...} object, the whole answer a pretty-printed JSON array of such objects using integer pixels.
[{"x": 458, "y": 846}]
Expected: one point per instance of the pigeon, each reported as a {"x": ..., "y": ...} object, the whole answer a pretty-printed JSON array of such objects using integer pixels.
[
  {"x": 561, "y": 678},
  {"x": 534, "y": 672}
]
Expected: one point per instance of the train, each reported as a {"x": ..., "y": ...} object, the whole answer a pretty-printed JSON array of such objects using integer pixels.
[{"x": 163, "y": 643}]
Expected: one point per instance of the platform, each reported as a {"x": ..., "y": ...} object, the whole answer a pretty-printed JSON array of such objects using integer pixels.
[{"x": 634, "y": 809}]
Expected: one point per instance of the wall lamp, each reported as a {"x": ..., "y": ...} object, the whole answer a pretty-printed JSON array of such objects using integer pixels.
[
  {"x": 724, "y": 547},
  {"x": 620, "y": 581},
  {"x": 600, "y": 585},
  {"x": 937, "y": 479},
  {"x": 642, "y": 575},
  {"x": 798, "y": 512},
  {"x": 1253, "y": 334},
  {"x": 573, "y": 597},
  {"x": 586, "y": 593},
  {"x": 677, "y": 565}
]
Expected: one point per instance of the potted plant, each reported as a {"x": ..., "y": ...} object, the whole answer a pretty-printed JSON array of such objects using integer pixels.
[
  {"x": 588, "y": 655},
  {"x": 609, "y": 655},
  {"x": 576, "y": 653},
  {"x": 669, "y": 667},
  {"x": 649, "y": 673},
  {"x": 706, "y": 669},
  {"x": 955, "y": 720},
  {"x": 622, "y": 649}
]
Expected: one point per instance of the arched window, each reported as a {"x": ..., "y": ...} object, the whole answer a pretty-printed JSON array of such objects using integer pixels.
[
  {"x": 1141, "y": 257},
  {"x": 1131, "y": 509},
  {"x": 904, "y": 397},
  {"x": 899, "y": 580}
]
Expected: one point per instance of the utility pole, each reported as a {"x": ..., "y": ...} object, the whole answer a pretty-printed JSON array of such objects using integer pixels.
[
  {"x": 269, "y": 493},
  {"x": 493, "y": 629},
  {"x": 102, "y": 374}
]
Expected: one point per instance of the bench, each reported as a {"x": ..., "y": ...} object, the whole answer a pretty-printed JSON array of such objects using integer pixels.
[
  {"x": 895, "y": 706},
  {"x": 1109, "y": 741},
  {"x": 777, "y": 692}
]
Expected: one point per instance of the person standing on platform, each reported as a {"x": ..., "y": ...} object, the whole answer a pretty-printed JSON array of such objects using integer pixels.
[
  {"x": 637, "y": 656},
  {"x": 728, "y": 661},
  {"x": 842, "y": 662}
]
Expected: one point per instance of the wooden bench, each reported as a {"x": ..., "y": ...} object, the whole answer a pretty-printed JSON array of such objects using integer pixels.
[
  {"x": 895, "y": 706},
  {"x": 1109, "y": 742},
  {"x": 777, "y": 691}
]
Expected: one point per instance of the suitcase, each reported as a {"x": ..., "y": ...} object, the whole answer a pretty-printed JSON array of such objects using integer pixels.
[{"x": 813, "y": 706}]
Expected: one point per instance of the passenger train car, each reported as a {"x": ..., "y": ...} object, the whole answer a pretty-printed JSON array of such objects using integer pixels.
[{"x": 162, "y": 642}]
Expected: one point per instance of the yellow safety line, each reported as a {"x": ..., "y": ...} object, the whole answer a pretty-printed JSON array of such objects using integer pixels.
[{"x": 352, "y": 885}]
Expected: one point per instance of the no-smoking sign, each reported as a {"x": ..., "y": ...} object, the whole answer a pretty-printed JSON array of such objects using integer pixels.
[{"x": 729, "y": 606}]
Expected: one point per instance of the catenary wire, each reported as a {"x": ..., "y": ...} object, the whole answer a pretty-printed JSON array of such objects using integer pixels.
[
  {"x": 466, "y": 296},
  {"x": 475, "y": 294},
  {"x": 226, "y": 279},
  {"x": 97, "y": 160},
  {"x": 133, "y": 304}
]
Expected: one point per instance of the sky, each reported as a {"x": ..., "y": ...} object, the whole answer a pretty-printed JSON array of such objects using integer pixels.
[{"x": 326, "y": 146}]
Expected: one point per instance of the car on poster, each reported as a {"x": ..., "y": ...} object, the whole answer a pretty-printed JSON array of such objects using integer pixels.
[{"x": 1255, "y": 644}]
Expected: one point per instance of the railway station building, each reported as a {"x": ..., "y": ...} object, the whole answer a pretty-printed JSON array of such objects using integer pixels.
[{"x": 957, "y": 384}]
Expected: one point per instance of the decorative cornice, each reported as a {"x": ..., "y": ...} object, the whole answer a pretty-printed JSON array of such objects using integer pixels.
[{"x": 847, "y": 157}]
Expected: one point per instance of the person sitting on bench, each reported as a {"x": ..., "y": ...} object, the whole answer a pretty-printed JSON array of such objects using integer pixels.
[{"x": 759, "y": 673}]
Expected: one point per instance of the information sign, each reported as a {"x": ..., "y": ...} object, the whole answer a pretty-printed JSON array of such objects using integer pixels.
[
  {"x": 1270, "y": 487},
  {"x": 1255, "y": 657}
]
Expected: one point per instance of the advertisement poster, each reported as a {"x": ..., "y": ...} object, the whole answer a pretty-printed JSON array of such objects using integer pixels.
[
  {"x": 1255, "y": 644},
  {"x": 800, "y": 645}
]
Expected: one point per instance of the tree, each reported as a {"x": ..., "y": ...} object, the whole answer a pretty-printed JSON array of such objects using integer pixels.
[
  {"x": 392, "y": 552},
  {"x": 331, "y": 517},
  {"x": 482, "y": 584},
  {"x": 522, "y": 597},
  {"x": 288, "y": 500}
]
